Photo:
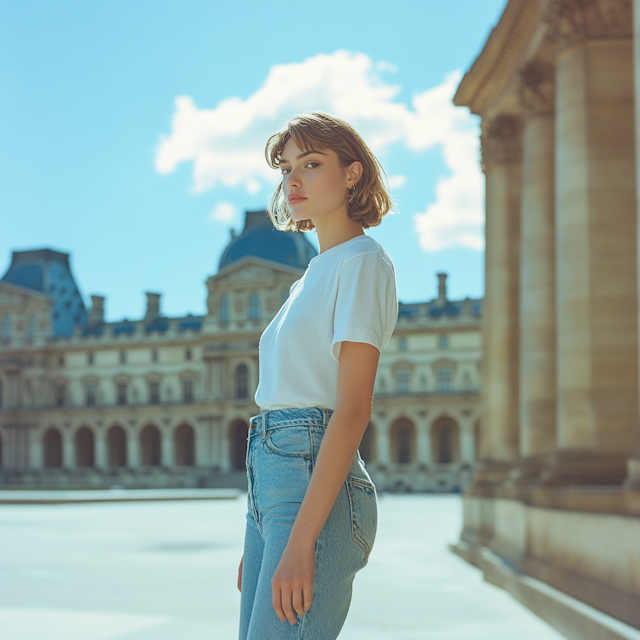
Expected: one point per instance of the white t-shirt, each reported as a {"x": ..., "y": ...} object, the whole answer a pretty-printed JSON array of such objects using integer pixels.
[{"x": 347, "y": 292}]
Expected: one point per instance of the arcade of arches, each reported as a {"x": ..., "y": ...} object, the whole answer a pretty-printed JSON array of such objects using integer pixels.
[{"x": 404, "y": 453}]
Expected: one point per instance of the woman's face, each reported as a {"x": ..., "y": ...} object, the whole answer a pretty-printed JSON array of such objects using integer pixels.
[{"x": 314, "y": 182}]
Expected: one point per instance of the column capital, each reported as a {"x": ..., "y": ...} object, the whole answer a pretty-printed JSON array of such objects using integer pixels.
[
  {"x": 536, "y": 87},
  {"x": 572, "y": 21},
  {"x": 501, "y": 140}
]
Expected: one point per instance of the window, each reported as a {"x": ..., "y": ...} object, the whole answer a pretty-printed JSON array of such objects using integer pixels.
[
  {"x": 7, "y": 328},
  {"x": 61, "y": 395},
  {"x": 31, "y": 330},
  {"x": 225, "y": 310},
  {"x": 241, "y": 381},
  {"x": 154, "y": 355},
  {"x": 122, "y": 393},
  {"x": 443, "y": 342},
  {"x": 154, "y": 392},
  {"x": 61, "y": 361},
  {"x": 123, "y": 356},
  {"x": 90, "y": 358},
  {"x": 187, "y": 391},
  {"x": 90, "y": 394},
  {"x": 444, "y": 379},
  {"x": 402, "y": 344},
  {"x": 254, "y": 307},
  {"x": 187, "y": 354},
  {"x": 402, "y": 380}
]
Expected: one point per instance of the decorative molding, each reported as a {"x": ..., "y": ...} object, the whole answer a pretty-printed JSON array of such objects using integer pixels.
[
  {"x": 501, "y": 140},
  {"x": 536, "y": 88},
  {"x": 572, "y": 21}
]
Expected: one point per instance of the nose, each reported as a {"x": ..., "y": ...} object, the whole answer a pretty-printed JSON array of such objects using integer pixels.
[{"x": 292, "y": 180}]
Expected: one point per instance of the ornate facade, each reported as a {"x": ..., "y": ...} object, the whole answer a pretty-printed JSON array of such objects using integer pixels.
[
  {"x": 552, "y": 510},
  {"x": 166, "y": 401}
]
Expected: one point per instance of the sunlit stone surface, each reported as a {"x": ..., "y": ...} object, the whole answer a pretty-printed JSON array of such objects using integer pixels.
[{"x": 167, "y": 570}]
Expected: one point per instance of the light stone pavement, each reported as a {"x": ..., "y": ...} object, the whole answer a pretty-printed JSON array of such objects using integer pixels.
[{"x": 167, "y": 571}]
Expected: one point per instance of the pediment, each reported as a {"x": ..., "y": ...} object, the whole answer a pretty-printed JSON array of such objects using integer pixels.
[
  {"x": 251, "y": 269},
  {"x": 12, "y": 295}
]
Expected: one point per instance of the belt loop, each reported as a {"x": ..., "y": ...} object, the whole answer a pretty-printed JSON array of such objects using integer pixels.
[{"x": 263, "y": 422}]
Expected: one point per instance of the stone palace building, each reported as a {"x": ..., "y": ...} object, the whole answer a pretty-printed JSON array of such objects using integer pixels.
[
  {"x": 552, "y": 513},
  {"x": 165, "y": 402}
]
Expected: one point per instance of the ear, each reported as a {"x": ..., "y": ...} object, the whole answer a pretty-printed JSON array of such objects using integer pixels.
[{"x": 354, "y": 173}]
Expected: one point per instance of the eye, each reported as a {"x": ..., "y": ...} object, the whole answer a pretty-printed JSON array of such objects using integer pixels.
[
  {"x": 285, "y": 170},
  {"x": 315, "y": 164}
]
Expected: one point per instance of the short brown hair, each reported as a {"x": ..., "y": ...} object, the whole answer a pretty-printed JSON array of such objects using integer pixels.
[{"x": 319, "y": 130}]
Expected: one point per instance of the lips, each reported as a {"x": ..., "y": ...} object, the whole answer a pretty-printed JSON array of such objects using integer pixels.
[{"x": 296, "y": 198}]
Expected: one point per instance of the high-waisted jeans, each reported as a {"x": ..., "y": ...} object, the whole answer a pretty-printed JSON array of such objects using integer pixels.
[{"x": 282, "y": 449}]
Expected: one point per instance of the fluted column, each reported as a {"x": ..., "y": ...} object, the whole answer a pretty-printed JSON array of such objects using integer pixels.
[
  {"x": 596, "y": 275},
  {"x": 502, "y": 164},
  {"x": 537, "y": 272}
]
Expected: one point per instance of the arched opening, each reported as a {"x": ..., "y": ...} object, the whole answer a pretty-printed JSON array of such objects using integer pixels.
[
  {"x": 117, "y": 447},
  {"x": 367, "y": 446},
  {"x": 403, "y": 441},
  {"x": 184, "y": 445},
  {"x": 241, "y": 381},
  {"x": 52, "y": 444},
  {"x": 238, "y": 433},
  {"x": 150, "y": 454},
  {"x": 85, "y": 446},
  {"x": 445, "y": 441}
]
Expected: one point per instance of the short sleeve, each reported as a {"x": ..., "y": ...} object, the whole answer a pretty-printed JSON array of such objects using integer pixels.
[
  {"x": 292, "y": 286},
  {"x": 366, "y": 304}
]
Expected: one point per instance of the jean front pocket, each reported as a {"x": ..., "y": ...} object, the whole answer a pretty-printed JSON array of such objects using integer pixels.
[
  {"x": 364, "y": 512},
  {"x": 290, "y": 441}
]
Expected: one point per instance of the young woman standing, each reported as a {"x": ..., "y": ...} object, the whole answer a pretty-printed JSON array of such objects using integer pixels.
[{"x": 312, "y": 513}]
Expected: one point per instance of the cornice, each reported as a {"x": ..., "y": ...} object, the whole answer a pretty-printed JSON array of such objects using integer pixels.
[{"x": 500, "y": 56}]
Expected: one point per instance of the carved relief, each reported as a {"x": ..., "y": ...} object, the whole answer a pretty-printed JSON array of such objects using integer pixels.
[
  {"x": 571, "y": 21},
  {"x": 501, "y": 140},
  {"x": 536, "y": 88}
]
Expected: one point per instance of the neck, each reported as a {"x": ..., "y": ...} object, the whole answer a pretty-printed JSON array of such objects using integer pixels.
[{"x": 335, "y": 229}]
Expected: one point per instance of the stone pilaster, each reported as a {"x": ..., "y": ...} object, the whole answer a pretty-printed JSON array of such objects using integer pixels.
[
  {"x": 537, "y": 274},
  {"x": 502, "y": 164},
  {"x": 596, "y": 276}
]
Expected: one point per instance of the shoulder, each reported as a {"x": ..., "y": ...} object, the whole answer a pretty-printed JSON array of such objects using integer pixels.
[{"x": 369, "y": 252}]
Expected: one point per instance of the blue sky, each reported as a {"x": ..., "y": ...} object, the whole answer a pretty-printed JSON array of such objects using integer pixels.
[{"x": 96, "y": 158}]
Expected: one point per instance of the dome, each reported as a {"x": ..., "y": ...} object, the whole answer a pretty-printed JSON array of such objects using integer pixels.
[{"x": 259, "y": 238}]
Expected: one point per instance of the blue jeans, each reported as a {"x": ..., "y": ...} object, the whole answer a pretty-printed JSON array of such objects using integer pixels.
[{"x": 282, "y": 449}]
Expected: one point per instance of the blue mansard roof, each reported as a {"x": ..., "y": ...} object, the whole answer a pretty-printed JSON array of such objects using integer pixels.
[
  {"x": 48, "y": 271},
  {"x": 259, "y": 238}
]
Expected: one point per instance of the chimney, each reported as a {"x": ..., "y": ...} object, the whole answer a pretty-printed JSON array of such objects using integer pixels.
[
  {"x": 96, "y": 313},
  {"x": 442, "y": 289},
  {"x": 153, "y": 306}
]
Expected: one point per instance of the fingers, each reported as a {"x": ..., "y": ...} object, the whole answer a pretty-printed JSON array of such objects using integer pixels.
[
  {"x": 240, "y": 574},
  {"x": 289, "y": 601}
]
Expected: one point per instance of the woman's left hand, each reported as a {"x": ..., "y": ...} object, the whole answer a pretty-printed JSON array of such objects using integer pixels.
[{"x": 292, "y": 583}]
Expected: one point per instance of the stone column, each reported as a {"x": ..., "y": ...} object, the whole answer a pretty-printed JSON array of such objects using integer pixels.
[
  {"x": 383, "y": 444},
  {"x": 537, "y": 273},
  {"x": 68, "y": 448},
  {"x": 633, "y": 464},
  {"x": 101, "y": 448},
  {"x": 166, "y": 444},
  {"x": 423, "y": 444},
  {"x": 502, "y": 155},
  {"x": 596, "y": 275},
  {"x": 133, "y": 448}
]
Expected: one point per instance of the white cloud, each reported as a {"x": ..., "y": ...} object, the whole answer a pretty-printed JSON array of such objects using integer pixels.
[
  {"x": 223, "y": 212},
  {"x": 395, "y": 182},
  {"x": 226, "y": 144}
]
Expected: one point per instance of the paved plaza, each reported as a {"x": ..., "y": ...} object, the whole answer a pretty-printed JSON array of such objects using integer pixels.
[{"x": 167, "y": 571}]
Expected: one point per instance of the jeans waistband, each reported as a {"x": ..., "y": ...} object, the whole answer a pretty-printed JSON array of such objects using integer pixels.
[{"x": 277, "y": 418}]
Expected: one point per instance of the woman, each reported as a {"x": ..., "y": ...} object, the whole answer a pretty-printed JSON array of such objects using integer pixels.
[{"x": 312, "y": 513}]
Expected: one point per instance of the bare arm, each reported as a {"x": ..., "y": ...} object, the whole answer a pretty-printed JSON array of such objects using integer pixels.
[{"x": 293, "y": 580}]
